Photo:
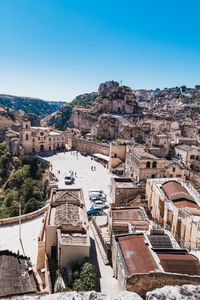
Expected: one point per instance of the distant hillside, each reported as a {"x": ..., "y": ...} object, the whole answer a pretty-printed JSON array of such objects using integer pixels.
[
  {"x": 84, "y": 100},
  {"x": 61, "y": 118},
  {"x": 30, "y": 105}
]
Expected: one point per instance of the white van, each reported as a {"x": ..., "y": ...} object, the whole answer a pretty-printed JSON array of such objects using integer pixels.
[{"x": 69, "y": 178}]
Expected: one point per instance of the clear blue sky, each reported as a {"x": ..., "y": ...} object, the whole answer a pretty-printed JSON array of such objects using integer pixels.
[{"x": 57, "y": 49}]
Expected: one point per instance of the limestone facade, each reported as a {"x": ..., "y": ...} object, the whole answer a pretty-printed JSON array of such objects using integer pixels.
[
  {"x": 189, "y": 155},
  {"x": 31, "y": 139},
  {"x": 141, "y": 165},
  {"x": 181, "y": 216},
  {"x": 64, "y": 236}
]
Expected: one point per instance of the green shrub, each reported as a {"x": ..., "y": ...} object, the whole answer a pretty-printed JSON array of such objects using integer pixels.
[{"x": 87, "y": 279}]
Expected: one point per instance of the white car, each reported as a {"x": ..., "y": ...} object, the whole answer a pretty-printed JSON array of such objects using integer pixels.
[
  {"x": 99, "y": 204},
  {"x": 97, "y": 193}
]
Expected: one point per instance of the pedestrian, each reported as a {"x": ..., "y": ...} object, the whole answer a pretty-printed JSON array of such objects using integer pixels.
[
  {"x": 75, "y": 174},
  {"x": 95, "y": 168},
  {"x": 92, "y": 168},
  {"x": 58, "y": 171}
]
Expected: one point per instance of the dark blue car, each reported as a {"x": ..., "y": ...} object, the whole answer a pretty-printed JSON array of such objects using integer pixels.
[{"x": 95, "y": 212}]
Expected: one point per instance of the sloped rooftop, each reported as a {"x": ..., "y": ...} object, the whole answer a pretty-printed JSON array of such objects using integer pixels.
[
  {"x": 15, "y": 278},
  {"x": 179, "y": 263},
  {"x": 136, "y": 254},
  {"x": 174, "y": 191}
]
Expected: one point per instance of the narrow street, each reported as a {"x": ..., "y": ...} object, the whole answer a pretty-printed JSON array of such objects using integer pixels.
[{"x": 88, "y": 179}]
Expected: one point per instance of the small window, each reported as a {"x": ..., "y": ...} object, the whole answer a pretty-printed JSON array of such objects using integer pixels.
[
  {"x": 174, "y": 169},
  {"x": 38, "y": 138},
  {"x": 26, "y": 126},
  {"x": 41, "y": 133},
  {"x": 49, "y": 139},
  {"x": 152, "y": 176},
  {"x": 191, "y": 156},
  {"x": 49, "y": 147},
  {"x": 115, "y": 155},
  {"x": 197, "y": 157},
  {"x": 27, "y": 136},
  {"x": 33, "y": 149},
  {"x": 154, "y": 165},
  {"x": 44, "y": 137},
  {"x": 148, "y": 165}
]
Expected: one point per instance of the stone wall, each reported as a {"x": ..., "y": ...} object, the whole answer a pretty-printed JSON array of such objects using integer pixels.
[
  {"x": 123, "y": 195},
  {"x": 26, "y": 217},
  {"x": 143, "y": 283},
  {"x": 90, "y": 147}
]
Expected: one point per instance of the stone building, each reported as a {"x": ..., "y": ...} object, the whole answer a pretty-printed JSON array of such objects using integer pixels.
[
  {"x": 141, "y": 165},
  {"x": 189, "y": 155},
  {"x": 113, "y": 98},
  {"x": 142, "y": 262},
  {"x": 64, "y": 238},
  {"x": 123, "y": 190},
  {"x": 12, "y": 141},
  {"x": 175, "y": 205},
  {"x": 31, "y": 139},
  {"x": 176, "y": 169}
]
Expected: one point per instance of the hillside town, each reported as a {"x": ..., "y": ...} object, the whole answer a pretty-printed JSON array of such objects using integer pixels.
[{"x": 122, "y": 206}]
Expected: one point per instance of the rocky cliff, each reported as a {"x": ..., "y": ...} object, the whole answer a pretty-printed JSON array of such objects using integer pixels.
[
  {"x": 104, "y": 113},
  {"x": 62, "y": 118}
]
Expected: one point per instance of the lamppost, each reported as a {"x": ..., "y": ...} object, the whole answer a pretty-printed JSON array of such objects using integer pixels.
[{"x": 20, "y": 221}]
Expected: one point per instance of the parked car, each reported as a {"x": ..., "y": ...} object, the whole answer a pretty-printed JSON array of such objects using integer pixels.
[
  {"x": 97, "y": 192},
  {"x": 69, "y": 178},
  {"x": 96, "y": 197},
  {"x": 95, "y": 212},
  {"x": 99, "y": 204}
]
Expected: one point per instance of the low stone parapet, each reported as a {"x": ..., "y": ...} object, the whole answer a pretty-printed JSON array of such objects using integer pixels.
[{"x": 25, "y": 217}]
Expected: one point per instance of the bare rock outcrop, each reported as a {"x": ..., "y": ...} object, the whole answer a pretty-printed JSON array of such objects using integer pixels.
[
  {"x": 183, "y": 292},
  {"x": 84, "y": 296}
]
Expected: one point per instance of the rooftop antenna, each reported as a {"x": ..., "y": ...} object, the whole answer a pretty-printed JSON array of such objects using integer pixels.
[{"x": 121, "y": 82}]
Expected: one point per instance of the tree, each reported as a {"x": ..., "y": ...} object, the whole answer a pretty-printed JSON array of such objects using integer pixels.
[
  {"x": 87, "y": 280},
  {"x": 31, "y": 205}
]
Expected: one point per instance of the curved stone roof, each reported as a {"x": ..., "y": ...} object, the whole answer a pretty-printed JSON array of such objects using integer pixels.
[{"x": 174, "y": 191}]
